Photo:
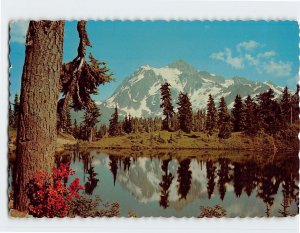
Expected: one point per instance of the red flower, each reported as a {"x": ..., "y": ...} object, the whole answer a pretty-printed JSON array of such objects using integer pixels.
[{"x": 49, "y": 196}]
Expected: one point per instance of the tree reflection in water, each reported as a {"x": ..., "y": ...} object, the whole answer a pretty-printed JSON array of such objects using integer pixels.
[
  {"x": 210, "y": 176},
  {"x": 266, "y": 179},
  {"x": 92, "y": 182},
  {"x": 249, "y": 174},
  {"x": 126, "y": 163},
  {"x": 268, "y": 184},
  {"x": 224, "y": 177},
  {"x": 167, "y": 179},
  {"x": 113, "y": 167},
  {"x": 184, "y": 178}
]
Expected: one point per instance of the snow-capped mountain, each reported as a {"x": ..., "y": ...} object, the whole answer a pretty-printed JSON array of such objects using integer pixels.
[{"x": 139, "y": 94}]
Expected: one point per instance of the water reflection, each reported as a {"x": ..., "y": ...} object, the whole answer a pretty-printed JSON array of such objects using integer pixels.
[
  {"x": 184, "y": 178},
  {"x": 114, "y": 166},
  {"x": 167, "y": 179},
  {"x": 92, "y": 182},
  {"x": 168, "y": 184},
  {"x": 223, "y": 176},
  {"x": 210, "y": 175}
]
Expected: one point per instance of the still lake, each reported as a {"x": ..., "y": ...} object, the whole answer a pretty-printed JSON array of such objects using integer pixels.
[{"x": 164, "y": 183}]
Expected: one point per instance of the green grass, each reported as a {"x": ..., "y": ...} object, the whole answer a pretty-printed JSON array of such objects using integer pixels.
[
  {"x": 181, "y": 140},
  {"x": 176, "y": 141}
]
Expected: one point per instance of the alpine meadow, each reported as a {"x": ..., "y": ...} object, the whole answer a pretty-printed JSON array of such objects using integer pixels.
[{"x": 153, "y": 119}]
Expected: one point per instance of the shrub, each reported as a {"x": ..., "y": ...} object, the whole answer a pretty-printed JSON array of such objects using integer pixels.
[
  {"x": 83, "y": 207},
  {"x": 48, "y": 194},
  {"x": 87, "y": 207},
  {"x": 212, "y": 212}
]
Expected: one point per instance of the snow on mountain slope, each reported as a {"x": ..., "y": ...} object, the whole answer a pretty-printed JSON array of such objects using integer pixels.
[{"x": 139, "y": 94}]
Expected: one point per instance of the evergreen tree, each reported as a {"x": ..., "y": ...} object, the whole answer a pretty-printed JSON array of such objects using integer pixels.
[
  {"x": 185, "y": 113},
  {"x": 269, "y": 112},
  {"x": 114, "y": 123},
  {"x": 199, "y": 120},
  {"x": 238, "y": 114},
  {"x": 166, "y": 104},
  {"x": 102, "y": 131},
  {"x": 127, "y": 125},
  {"x": 173, "y": 122},
  {"x": 211, "y": 115},
  {"x": 16, "y": 111},
  {"x": 295, "y": 105},
  {"x": 224, "y": 121},
  {"x": 251, "y": 126},
  {"x": 286, "y": 106},
  {"x": 89, "y": 122}
]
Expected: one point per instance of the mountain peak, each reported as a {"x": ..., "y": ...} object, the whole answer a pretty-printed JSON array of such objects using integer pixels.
[
  {"x": 146, "y": 67},
  {"x": 139, "y": 95},
  {"x": 181, "y": 65}
]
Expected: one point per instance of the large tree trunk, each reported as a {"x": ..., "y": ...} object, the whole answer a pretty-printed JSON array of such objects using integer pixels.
[{"x": 36, "y": 137}]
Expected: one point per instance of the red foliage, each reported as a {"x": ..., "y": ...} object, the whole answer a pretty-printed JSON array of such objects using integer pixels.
[{"x": 48, "y": 194}]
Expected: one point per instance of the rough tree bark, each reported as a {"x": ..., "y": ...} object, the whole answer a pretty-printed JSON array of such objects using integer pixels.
[{"x": 39, "y": 94}]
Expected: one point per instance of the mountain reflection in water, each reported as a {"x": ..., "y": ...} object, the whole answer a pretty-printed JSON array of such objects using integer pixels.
[{"x": 164, "y": 184}]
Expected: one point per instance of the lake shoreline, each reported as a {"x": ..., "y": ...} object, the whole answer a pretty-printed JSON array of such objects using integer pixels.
[
  {"x": 163, "y": 140},
  {"x": 136, "y": 149},
  {"x": 172, "y": 141}
]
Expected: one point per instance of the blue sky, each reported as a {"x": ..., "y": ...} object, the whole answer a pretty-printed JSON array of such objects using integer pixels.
[{"x": 257, "y": 50}]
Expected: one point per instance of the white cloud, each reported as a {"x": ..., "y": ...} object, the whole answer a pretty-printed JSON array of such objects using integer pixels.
[
  {"x": 218, "y": 56},
  {"x": 263, "y": 62},
  {"x": 226, "y": 56},
  {"x": 247, "y": 45},
  {"x": 267, "y": 54},
  {"x": 278, "y": 69},
  {"x": 252, "y": 60},
  {"x": 18, "y": 30}
]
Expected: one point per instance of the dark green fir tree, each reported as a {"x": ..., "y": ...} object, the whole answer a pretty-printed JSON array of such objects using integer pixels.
[
  {"x": 251, "y": 126},
  {"x": 224, "y": 120},
  {"x": 238, "y": 114},
  {"x": 114, "y": 123},
  {"x": 211, "y": 115},
  {"x": 166, "y": 105},
  {"x": 90, "y": 122},
  {"x": 185, "y": 113},
  {"x": 127, "y": 124}
]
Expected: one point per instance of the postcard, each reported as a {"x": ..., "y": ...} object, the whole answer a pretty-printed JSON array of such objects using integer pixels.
[{"x": 153, "y": 119}]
